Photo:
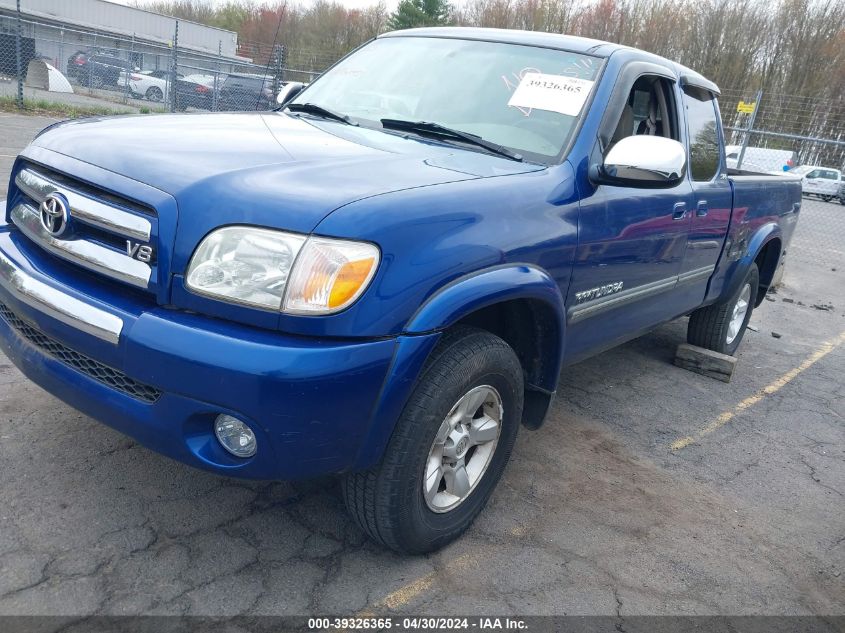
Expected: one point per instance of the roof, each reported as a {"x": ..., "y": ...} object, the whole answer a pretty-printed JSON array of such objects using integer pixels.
[{"x": 571, "y": 43}]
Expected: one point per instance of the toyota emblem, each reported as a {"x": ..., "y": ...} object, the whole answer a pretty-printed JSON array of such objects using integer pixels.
[{"x": 54, "y": 217}]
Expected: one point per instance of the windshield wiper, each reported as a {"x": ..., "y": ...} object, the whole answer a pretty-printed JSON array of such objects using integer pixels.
[
  {"x": 426, "y": 127},
  {"x": 318, "y": 110}
]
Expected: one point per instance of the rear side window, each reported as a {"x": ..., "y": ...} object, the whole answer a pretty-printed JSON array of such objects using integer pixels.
[{"x": 703, "y": 134}]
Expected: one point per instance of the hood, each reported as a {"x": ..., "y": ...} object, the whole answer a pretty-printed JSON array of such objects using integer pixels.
[{"x": 270, "y": 169}]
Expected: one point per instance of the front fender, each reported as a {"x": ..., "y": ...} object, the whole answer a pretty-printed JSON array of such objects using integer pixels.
[
  {"x": 497, "y": 285},
  {"x": 484, "y": 288}
]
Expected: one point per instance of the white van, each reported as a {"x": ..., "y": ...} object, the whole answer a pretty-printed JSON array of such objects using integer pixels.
[
  {"x": 824, "y": 182},
  {"x": 761, "y": 159}
]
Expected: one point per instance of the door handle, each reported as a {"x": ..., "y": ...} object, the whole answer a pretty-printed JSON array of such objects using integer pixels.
[
  {"x": 701, "y": 209},
  {"x": 679, "y": 211}
]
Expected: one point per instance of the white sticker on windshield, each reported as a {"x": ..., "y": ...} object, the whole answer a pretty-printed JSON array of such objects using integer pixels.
[{"x": 555, "y": 93}]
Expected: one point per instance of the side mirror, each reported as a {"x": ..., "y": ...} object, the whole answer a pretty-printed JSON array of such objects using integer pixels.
[
  {"x": 289, "y": 91},
  {"x": 642, "y": 161}
]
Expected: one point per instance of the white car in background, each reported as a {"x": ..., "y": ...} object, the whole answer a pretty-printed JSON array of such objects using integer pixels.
[
  {"x": 824, "y": 182},
  {"x": 761, "y": 159},
  {"x": 149, "y": 84}
]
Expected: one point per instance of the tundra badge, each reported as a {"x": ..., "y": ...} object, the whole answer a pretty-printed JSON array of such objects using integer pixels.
[{"x": 595, "y": 293}]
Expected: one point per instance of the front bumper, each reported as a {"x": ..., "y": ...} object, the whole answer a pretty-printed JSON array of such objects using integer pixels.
[{"x": 317, "y": 406}]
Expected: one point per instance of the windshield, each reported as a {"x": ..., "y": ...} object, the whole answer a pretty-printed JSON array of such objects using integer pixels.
[{"x": 521, "y": 97}]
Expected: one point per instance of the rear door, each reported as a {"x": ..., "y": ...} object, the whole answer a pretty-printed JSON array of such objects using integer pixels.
[{"x": 712, "y": 196}]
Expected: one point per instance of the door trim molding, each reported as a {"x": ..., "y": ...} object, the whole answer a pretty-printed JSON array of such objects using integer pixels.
[{"x": 625, "y": 297}]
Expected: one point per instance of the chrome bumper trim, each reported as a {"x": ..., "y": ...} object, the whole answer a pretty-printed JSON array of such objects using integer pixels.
[
  {"x": 86, "y": 254},
  {"x": 85, "y": 209},
  {"x": 55, "y": 303}
]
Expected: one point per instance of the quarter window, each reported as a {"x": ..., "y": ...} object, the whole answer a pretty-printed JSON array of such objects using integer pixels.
[{"x": 703, "y": 134}]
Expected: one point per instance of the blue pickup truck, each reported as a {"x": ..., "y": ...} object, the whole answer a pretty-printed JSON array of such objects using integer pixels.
[{"x": 383, "y": 278}]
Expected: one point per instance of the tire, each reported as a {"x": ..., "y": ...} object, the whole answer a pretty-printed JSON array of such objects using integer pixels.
[
  {"x": 710, "y": 327},
  {"x": 827, "y": 198},
  {"x": 388, "y": 501},
  {"x": 155, "y": 94}
]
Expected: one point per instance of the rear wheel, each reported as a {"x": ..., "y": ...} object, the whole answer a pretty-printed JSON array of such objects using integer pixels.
[
  {"x": 721, "y": 326},
  {"x": 448, "y": 450},
  {"x": 155, "y": 94}
]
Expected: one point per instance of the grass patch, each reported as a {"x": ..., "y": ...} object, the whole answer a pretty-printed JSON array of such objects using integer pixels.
[{"x": 64, "y": 110}]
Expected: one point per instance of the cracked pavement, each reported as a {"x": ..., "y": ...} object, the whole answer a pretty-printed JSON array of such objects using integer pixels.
[{"x": 595, "y": 514}]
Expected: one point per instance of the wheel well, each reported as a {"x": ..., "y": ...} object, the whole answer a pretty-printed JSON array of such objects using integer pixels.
[
  {"x": 767, "y": 262},
  {"x": 531, "y": 328}
]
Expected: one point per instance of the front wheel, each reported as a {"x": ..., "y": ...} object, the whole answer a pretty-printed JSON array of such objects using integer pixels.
[
  {"x": 721, "y": 326},
  {"x": 449, "y": 447}
]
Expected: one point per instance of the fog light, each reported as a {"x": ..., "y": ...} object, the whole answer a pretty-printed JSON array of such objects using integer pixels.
[{"x": 235, "y": 436}]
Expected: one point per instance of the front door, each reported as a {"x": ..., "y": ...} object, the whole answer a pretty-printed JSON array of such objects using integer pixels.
[{"x": 631, "y": 241}]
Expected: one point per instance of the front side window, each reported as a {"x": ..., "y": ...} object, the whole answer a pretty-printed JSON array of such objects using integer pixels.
[
  {"x": 649, "y": 110},
  {"x": 524, "y": 98},
  {"x": 703, "y": 134}
]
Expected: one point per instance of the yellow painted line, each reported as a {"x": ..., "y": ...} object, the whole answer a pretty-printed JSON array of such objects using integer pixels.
[
  {"x": 768, "y": 390},
  {"x": 407, "y": 593}
]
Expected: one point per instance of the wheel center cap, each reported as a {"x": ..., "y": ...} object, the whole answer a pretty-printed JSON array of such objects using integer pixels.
[{"x": 461, "y": 446}]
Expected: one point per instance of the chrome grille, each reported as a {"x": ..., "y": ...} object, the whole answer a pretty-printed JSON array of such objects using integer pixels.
[
  {"x": 82, "y": 363},
  {"x": 83, "y": 247}
]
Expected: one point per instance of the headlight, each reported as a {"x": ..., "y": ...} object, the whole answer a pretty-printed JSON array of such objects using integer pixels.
[
  {"x": 244, "y": 265},
  {"x": 256, "y": 267}
]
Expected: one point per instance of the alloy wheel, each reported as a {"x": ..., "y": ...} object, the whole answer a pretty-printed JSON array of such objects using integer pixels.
[{"x": 462, "y": 449}]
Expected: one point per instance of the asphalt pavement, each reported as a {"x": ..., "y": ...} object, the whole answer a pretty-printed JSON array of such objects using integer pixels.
[{"x": 651, "y": 490}]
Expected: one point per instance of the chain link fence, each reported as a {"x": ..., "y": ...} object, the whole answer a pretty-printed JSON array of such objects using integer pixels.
[
  {"x": 797, "y": 136},
  {"x": 44, "y": 62}
]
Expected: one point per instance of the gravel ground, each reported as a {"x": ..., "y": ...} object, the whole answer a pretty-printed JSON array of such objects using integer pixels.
[{"x": 595, "y": 515}]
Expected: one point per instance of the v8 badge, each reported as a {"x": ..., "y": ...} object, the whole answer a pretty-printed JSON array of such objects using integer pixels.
[{"x": 141, "y": 252}]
